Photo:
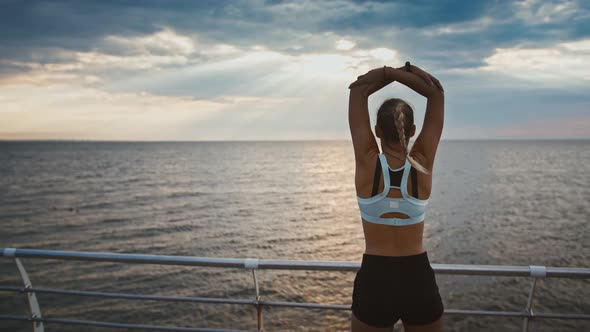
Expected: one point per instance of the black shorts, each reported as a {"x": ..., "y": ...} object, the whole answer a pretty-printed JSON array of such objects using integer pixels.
[{"x": 389, "y": 288}]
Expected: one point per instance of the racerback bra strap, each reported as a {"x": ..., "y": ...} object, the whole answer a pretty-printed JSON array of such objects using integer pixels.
[{"x": 377, "y": 178}]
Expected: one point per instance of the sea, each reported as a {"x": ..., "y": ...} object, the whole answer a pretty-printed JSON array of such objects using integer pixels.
[{"x": 499, "y": 202}]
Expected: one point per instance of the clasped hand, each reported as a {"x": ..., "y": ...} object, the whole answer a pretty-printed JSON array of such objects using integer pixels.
[{"x": 375, "y": 79}]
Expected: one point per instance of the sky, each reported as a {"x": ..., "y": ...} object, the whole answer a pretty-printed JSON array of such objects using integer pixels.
[{"x": 279, "y": 70}]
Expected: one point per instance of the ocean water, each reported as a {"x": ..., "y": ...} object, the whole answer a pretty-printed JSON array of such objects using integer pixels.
[{"x": 493, "y": 202}]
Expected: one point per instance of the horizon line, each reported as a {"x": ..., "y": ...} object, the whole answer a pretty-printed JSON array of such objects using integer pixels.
[{"x": 270, "y": 140}]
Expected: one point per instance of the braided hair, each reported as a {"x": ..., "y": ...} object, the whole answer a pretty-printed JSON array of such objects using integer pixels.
[{"x": 395, "y": 118}]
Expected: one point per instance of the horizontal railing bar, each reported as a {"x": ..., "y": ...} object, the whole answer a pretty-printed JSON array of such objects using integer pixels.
[
  {"x": 509, "y": 270},
  {"x": 112, "y": 324},
  {"x": 15, "y": 317},
  {"x": 460, "y": 312},
  {"x": 129, "y": 296},
  {"x": 540, "y": 315},
  {"x": 127, "y": 258},
  {"x": 306, "y": 305},
  {"x": 172, "y": 298},
  {"x": 561, "y": 316},
  {"x": 455, "y": 269},
  {"x": 281, "y": 304},
  {"x": 270, "y": 264},
  {"x": 486, "y": 313}
]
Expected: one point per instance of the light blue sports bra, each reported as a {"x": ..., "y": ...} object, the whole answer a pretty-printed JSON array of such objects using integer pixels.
[{"x": 373, "y": 208}]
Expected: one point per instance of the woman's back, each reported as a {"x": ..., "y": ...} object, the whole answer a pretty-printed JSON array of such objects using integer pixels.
[{"x": 385, "y": 240}]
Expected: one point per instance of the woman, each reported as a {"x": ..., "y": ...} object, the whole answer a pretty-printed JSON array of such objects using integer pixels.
[{"x": 395, "y": 280}]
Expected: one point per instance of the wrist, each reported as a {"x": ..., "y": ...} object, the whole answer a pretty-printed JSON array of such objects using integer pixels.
[
  {"x": 390, "y": 73},
  {"x": 387, "y": 72}
]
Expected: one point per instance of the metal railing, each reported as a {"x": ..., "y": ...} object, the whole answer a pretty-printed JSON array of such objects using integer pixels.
[{"x": 37, "y": 320}]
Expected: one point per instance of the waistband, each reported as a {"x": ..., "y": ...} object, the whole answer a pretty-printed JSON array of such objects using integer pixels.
[{"x": 412, "y": 260}]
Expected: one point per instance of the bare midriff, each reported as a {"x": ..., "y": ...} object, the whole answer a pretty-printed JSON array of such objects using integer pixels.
[{"x": 385, "y": 240}]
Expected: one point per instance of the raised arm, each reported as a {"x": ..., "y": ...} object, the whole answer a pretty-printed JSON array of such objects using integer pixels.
[
  {"x": 426, "y": 144},
  {"x": 363, "y": 140}
]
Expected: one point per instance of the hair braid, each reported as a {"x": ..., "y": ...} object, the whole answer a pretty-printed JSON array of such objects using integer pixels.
[{"x": 399, "y": 116}]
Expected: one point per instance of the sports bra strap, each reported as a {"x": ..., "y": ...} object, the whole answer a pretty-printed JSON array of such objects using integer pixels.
[
  {"x": 414, "y": 176},
  {"x": 376, "y": 178}
]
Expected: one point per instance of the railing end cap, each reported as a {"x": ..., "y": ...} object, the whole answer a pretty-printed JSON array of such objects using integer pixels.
[{"x": 9, "y": 252}]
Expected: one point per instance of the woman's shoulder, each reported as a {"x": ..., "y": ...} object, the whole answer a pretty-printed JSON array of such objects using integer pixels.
[{"x": 367, "y": 159}]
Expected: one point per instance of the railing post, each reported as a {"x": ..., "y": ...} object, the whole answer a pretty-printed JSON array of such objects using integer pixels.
[
  {"x": 528, "y": 309},
  {"x": 536, "y": 273},
  {"x": 258, "y": 304},
  {"x": 252, "y": 263},
  {"x": 31, "y": 297}
]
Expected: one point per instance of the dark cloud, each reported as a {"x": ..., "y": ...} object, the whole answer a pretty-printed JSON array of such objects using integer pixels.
[
  {"x": 8, "y": 69},
  {"x": 30, "y": 28},
  {"x": 409, "y": 14}
]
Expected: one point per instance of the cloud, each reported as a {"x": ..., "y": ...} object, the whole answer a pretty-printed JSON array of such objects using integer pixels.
[
  {"x": 271, "y": 90},
  {"x": 276, "y": 68},
  {"x": 345, "y": 45},
  {"x": 442, "y": 34},
  {"x": 564, "y": 63},
  {"x": 164, "y": 42},
  {"x": 171, "y": 92},
  {"x": 66, "y": 112},
  {"x": 261, "y": 72},
  {"x": 114, "y": 56},
  {"x": 288, "y": 27},
  {"x": 478, "y": 25},
  {"x": 169, "y": 62},
  {"x": 537, "y": 12}
]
